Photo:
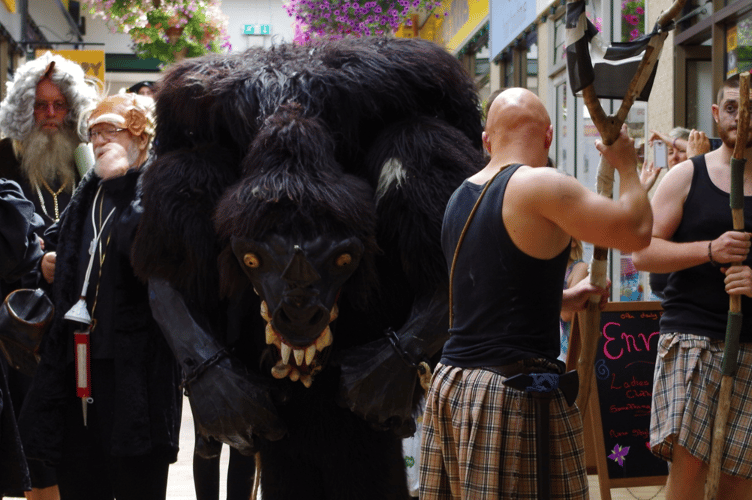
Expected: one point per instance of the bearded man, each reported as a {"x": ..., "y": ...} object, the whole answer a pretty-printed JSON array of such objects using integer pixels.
[
  {"x": 39, "y": 119},
  {"x": 694, "y": 240}
]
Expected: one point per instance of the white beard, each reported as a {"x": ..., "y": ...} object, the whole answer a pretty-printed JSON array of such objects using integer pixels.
[
  {"x": 48, "y": 156},
  {"x": 132, "y": 154}
]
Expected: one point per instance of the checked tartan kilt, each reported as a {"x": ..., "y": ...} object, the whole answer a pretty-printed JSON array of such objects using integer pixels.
[
  {"x": 479, "y": 440},
  {"x": 686, "y": 388}
]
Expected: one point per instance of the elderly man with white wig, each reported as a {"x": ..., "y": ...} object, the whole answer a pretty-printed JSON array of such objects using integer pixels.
[{"x": 105, "y": 403}]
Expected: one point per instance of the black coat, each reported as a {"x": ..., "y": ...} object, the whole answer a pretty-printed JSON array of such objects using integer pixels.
[
  {"x": 19, "y": 251},
  {"x": 146, "y": 401}
]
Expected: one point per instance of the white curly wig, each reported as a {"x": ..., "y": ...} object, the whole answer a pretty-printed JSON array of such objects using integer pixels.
[{"x": 17, "y": 109}]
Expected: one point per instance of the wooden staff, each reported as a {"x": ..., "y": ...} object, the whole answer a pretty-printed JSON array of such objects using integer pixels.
[
  {"x": 609, "y": 127},
  {"x": 734, "y": 323}
]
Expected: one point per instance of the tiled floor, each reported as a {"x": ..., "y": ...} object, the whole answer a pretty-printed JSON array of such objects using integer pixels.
[
  {"x": 180, "y": 483},
  {"x": 638, "y": 493}
]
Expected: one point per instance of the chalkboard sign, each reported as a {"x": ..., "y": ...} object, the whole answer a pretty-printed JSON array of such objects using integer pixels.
[
  {"x": 617, "y": 420},
  {"x": 624, "y": 366}
]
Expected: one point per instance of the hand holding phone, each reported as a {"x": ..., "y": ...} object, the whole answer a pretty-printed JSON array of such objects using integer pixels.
[{"x": 660, "y": 154}]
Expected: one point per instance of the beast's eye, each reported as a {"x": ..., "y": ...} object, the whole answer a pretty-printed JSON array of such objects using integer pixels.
[
  {"x": 343, "y": 260},
  {"x": 252, "y": 260}
]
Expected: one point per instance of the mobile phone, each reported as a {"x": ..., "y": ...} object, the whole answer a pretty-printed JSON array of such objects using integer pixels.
[{"x": 660, "y": 154}]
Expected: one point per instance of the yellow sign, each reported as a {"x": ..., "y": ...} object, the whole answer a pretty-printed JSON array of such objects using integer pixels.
[
  {"x": 452, "y": 30},
  {"x": 92, "y": 61},
  {"x": 432, "y": 28},
  {"x": 452, "y": 23},
  {"x": 406, "y": 31},
  {"x": 731, "y": 39},
  {"x": 10, "y": 5}
]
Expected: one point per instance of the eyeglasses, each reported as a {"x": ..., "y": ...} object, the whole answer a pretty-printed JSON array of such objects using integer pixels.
[
  {"x": 107, "y": 134},
  {"x": 58, "y": 106}
]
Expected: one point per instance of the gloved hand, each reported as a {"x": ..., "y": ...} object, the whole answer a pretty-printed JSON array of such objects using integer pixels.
[
  {"x": 232, "y": 406},
  {"x": 228, "y": 403},
  {"x": 378, "y": 379}
]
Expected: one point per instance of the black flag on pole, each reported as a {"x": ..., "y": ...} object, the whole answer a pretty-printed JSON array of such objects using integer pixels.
[
  {"x": 579, "y": 33},
  {"x": 609, "y": 70}
]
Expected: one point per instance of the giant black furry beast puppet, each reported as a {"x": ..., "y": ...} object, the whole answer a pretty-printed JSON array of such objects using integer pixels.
[{"x": 291, "y": 233}]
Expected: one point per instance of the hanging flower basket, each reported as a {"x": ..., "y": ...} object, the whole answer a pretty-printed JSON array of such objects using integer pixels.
[
  {"x": 167, "y": 30},
  {"x": 339, "y": 18}
]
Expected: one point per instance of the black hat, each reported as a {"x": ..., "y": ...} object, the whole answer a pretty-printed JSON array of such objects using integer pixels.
[{"x": 138, "y": 86}]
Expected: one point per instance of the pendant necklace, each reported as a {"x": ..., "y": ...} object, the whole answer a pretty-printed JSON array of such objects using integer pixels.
[
  {"x": 82, "y": 337},
  {"x": 54, "y": 195}
]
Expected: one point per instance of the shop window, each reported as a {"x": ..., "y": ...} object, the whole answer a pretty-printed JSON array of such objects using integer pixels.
[
  {"x": 10, "y": 53},
  {"x": 700, "y": 98},
  {"x": 531, "y": 62},
  {"x": 560, "y": 30},
  {"x": 632, "y": 21},
  {"x": 739, "y": 46},
  {"x": 560, "y": 129},
  {"x": 508, "y": 80}
]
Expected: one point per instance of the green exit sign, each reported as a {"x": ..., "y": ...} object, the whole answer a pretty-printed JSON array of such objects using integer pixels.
[{"x": 257, "y": 29}]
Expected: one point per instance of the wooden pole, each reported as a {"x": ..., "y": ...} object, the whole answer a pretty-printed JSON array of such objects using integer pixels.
[
  {"x": 734, "y": 324},
  {"x": 609, "y": 127}
]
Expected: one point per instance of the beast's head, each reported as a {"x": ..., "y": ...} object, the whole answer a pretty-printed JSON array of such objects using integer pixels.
[{"x": 302, "y": 232}]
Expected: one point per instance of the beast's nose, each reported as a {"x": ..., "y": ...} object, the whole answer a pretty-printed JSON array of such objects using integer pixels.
[{"x": 299, "y": 272}]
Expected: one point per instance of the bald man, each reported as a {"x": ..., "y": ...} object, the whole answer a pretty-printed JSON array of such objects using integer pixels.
[{"x": 479, "y": 435}]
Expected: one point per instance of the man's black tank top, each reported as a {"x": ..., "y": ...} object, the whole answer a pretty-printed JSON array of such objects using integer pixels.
[
  {"x": 696, "y": 301},
  {"x": 506, "y": 303}
]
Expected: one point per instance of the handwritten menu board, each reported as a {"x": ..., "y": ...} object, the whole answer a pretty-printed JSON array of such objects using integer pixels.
[
  {"x": 624, "y": 376},
  {"x": 619, "y": 410}
]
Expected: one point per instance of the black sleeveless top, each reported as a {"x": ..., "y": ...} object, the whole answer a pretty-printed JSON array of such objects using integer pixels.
[
  {"x": 696, "y": 301},
  {"x": 506, "y": 303}
]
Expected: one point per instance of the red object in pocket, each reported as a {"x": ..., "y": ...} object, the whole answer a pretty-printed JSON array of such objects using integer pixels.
[{"x": 83, "y": 363}]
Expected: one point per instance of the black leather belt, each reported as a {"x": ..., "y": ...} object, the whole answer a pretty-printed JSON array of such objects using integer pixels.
[{"x": 524, "y": 367}]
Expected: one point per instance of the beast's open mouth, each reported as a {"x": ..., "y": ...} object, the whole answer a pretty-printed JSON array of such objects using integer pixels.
[{"x": 297, "y": 362}]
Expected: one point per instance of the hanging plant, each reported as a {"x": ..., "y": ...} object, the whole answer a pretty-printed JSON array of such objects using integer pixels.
[
  {"x": 167, "y": 30},
  {"x": 339, "y": 18},
  {"x": 633, "y": 19}
]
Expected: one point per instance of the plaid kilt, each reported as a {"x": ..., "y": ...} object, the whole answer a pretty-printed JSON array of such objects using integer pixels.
[
  {"x": 479, "y": 440},
  {"x": 686, "y": 385}
]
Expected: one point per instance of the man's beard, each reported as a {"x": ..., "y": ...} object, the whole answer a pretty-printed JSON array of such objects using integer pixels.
[
  {"x": 729, "y": 141},
  {"x": 47, "y": 156},
  {"x": 132, "y": 154}
]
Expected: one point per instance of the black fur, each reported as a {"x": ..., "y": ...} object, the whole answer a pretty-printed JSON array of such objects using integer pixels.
[{"x": 363, "y": 139}]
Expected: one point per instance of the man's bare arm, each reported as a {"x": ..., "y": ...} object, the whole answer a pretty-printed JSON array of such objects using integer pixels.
[
  {"x": 664, "y": 255},
  {"x": 624, "y": 223}
]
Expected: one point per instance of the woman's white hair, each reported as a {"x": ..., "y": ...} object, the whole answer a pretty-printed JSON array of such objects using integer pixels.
[{"x": 17, "y": 109}]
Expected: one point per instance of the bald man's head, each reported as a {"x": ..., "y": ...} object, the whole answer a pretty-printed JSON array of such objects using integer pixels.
[{"x": 517, "y": 117}]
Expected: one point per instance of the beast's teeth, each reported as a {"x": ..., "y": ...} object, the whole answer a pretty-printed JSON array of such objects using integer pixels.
[
  {"x": 271, "y": 335},
  {"x": 265, "y": 311},
  {"x": 280, "y": 370},
  {"x": 294, "y": 375},
  {"x": 299, "y": 355},
  {"x": 310, "y": 352},
  {"x": 285, "y": 350},
  {"x": 333, "y": 313},
  {"x": 324, "y": 340},
  {"x": 307, "y": 380}
]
